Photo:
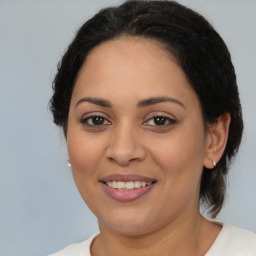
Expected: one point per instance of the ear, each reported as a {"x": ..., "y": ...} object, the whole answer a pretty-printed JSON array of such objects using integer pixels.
[{"x": 217, "y": 136}]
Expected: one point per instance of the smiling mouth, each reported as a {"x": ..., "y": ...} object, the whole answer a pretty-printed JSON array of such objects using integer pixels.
[
  {"x": 126, "y": 188},
  {"x": 129, "y": 185}
]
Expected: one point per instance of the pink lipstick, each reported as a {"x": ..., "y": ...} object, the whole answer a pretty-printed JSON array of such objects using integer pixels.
[{"x": 126, "y": 188}]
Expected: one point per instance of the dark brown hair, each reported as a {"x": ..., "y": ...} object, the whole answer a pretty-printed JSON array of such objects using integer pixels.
[{"x": 198, "y": 49}]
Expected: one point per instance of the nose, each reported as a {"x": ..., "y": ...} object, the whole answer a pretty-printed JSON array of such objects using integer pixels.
[{"x": 125, "y": 146}]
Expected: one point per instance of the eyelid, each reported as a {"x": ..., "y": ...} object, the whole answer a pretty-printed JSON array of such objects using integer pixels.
[
  {"x": 160, "y": 114},
  {"x": 95, "y": 114}
]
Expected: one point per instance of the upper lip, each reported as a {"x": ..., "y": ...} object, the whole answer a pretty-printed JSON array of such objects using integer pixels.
[{"x": 126, "y": 178}]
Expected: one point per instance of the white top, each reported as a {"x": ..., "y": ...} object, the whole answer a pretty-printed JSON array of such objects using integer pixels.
[{"x": 231, "y": 241}]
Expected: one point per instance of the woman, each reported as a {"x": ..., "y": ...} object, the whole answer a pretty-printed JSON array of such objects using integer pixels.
[{"x": 146, "y": 95}]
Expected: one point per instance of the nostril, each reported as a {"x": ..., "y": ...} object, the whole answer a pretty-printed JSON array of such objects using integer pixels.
[
  {"x": 124, "y": 145},
  {"x": 123, "y": 161}
]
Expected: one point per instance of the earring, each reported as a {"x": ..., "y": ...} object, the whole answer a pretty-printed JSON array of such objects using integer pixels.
[
  {"x": 69, "y": 164},
  {"x": 214, "y": 163}
]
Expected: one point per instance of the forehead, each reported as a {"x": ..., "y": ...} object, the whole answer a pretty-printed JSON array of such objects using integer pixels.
[
  {"x": 129, "y": 44},
  {"x": 135, "y": 67},
  {"x": 140, "y": 50}
]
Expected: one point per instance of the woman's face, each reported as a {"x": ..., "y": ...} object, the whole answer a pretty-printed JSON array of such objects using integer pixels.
[{"x": 135, "y": 137}]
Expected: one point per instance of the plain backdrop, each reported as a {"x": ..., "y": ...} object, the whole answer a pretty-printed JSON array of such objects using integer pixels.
[{"x": 40, "y": 208}]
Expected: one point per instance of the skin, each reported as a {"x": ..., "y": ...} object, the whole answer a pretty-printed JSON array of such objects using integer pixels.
[{"x": 165, "y": 221}]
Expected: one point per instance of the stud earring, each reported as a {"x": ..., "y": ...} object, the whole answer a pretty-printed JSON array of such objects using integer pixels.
[
  {"x": 214, "y": 163},
  {"x": 69, "y": 164}
]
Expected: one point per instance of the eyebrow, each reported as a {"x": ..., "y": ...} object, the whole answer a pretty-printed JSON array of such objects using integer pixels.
[
  {"x": 156, "y": 100},
  {"x": 144, "y": 103},
  {"x": 96, "y": 101}
]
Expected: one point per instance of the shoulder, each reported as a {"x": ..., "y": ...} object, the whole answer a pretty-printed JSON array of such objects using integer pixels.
[
  {"x": 234, "y": 241},
  {"x": 77, "y": 249}
]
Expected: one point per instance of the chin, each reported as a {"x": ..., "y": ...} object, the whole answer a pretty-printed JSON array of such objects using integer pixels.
[
  {"x": 133, "y": 229},
  {"x": 128, "y": 223}
]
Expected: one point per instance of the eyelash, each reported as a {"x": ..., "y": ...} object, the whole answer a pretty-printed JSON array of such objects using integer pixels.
[
  {"x": 89, "y": 121},
  {"x": 161, "y": 118}
]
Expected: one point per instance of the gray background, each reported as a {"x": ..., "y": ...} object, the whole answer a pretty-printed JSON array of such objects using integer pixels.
[{"x": 40, "y": 208}]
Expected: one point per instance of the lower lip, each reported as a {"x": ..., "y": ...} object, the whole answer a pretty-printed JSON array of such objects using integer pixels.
[{"x": 127, "y": 195}]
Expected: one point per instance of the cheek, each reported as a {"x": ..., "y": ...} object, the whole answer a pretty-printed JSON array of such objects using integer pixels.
[
  {"x": 180, "y": 159},
  {"x": 85, "y": 152},
  {"x": 181, "y": 153}
]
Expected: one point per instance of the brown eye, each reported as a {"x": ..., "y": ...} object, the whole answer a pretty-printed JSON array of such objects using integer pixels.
[
  {"x": 95, "y": 121},
  {"x": 160, "y": 121}
]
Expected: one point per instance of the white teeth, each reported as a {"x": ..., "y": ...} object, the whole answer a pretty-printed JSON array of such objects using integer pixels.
[
  {"x": 114, "y": 184},
  {"x": 121, "y": 185},
  {"x": 129, "y": 185},
  {"x": 137, "y": 184}
]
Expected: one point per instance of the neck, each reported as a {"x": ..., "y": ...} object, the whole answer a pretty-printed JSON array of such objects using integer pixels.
[{"x": 189, "y": 236}]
